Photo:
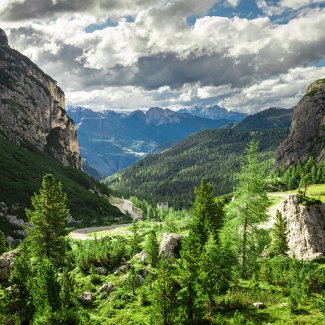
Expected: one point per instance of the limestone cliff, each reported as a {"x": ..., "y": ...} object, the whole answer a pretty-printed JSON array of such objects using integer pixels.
[
  {"x": 307, "y": 133},
  {"x": 32, "y": 107},
  {"x": 305, "y": 229}
]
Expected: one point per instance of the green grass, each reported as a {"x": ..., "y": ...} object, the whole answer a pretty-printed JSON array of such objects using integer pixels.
[
  {"x": 275, "y": 199},
  {"x": 316, "y": 191}
]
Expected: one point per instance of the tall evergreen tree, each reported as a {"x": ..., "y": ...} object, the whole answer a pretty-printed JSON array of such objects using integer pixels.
[
  {"x": 47, "y": 236},
  {"x": 248, "y": 208},
  {"x": 152, "y": 248},
  {"x": 208, "y": 213},
  {"x": 279, "y": 244},
  {"x": 163, "y": 295}
]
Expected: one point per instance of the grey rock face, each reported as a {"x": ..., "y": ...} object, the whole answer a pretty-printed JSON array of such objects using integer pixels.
[
  {"x": 7, "y": 264},
  {"x": 107, "y": 287},
  {"x": 306, "y": 229},
  {"x": 86, "y": 297},
  {"x": 101, "y": 270},
  {"x": 141, "y": 257},
  {"x": 170, "y": 246},
  {"x": 3, "y": 38},
  {"x": 307, "y": 133},
  {"x": 121, "y": 269},
  {"x": 32, "y": 108}
]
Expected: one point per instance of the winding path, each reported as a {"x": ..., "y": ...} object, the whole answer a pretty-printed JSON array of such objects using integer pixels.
[
  {"x": 81, "y": 234},
  {"x": 273, "y": 209}
]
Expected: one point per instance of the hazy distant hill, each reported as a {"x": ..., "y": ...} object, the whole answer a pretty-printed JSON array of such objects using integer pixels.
[{"x": 110, "y": 141}]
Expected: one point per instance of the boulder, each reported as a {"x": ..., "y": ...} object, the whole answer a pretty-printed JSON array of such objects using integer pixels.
[
  {"x": 101, "y": 270},
  {"x": 7, "y": 264},
  {"x": 107, "y": 287},
  {"x": 170, "y": 246},
  {"x": 141, "y": 257},
  {"x": 121, "y": 269},
  {"x": 86, "y": 297},
  {"x": 305, "y": 229},
  {"x": 259, "y": 305}
]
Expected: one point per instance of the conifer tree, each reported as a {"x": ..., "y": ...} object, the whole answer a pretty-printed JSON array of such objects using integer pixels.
[
  {"x": 47, "y": 236},
  {"x": 247, "y": 209},
  {"x": 279, "y": 244},
  {"x": 208, "y": 213},
  {"x": 152, "y": 248},
  {"x": 163, "y": 295}
]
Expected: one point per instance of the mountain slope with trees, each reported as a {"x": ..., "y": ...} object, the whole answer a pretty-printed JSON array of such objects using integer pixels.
[{"x": 172, "y": 175}]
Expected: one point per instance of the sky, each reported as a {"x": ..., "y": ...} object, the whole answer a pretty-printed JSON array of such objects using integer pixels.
[{"x": 244, "y": 55}]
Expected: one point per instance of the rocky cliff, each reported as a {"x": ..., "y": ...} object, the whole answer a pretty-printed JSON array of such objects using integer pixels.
[
  {"x": 305, "y": 229},
  {"x": 307, "y": 133},
  {"x": 32, "y": 107}
]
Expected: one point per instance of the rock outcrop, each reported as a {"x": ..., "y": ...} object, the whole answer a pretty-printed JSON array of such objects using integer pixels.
[
  {"x": 32, "y": 107},
  {"x": 305, "y": 229},
  {"x": 170, "y": 246},
  {"x": 307, "y": 133},
  {"x": 7, "y": 264}
]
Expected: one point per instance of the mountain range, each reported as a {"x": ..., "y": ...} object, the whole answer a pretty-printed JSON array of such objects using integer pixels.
[
  {"x": 110, "y": 141},
  {"x": 214, "y": 112}
]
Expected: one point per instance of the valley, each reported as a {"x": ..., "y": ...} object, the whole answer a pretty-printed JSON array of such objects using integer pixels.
[{"x": 114, "y": 210}]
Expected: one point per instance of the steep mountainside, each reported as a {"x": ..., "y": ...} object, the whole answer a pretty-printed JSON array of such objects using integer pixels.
[
  {"x": 214, "y": 112},
  {"x": 172, "y": 175},
  {"x": 268, "y": 119},
  {"x": 110, "y": 141},
  {"x": 32, "y": 107},
  {"x": 307, "y": 133},
  {"x": 38, "y": 137}
]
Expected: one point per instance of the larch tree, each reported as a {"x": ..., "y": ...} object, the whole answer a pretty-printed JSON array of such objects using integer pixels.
[{"x": 247, "y": 209}]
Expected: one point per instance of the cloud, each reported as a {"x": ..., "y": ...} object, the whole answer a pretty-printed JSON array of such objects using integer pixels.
[
  {"x": 282, "y": 91},
  {"x": 156, "y": 58},
  {"x": 280, "y": 7}
]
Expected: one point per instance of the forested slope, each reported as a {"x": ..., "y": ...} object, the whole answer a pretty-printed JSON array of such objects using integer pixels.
[{"x": 172, "y": 175}]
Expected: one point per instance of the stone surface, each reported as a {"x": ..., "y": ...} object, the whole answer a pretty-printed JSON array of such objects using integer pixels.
[
  {"x": 307, "y": 133},
  {"x": 259, "y": 305},
  {"x": 170, "y": 246},
  {"x": 305, "y": 229},
  {"x": 121, "y": 269},
  {"x": 86, "y": 297},
  {"x": 141, "y": 257},
  {"x": 7, "y": 264},
  {"x": 32, "y": 108},
  {"x": 101, "y": 270},
  {"x": 107, "y": 287}
]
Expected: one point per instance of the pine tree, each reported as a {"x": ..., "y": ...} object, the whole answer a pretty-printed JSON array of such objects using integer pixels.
[
  {"x": 47, "y": 236},
  {"x": 208, "y": 214},
  {"x": 163, "y": 295},
  {"x": 152, "y": 248},
  {"x": 279, "y": 244},
  {"x": 305, "y": 182},
  {"x": 247, "y": 209},
  {"x": 135, "y": 239}
]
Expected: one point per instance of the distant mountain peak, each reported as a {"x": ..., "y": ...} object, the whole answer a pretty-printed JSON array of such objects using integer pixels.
[
  {"x": 160, "y": 116},
  {"x": 214, "y": 112}
]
